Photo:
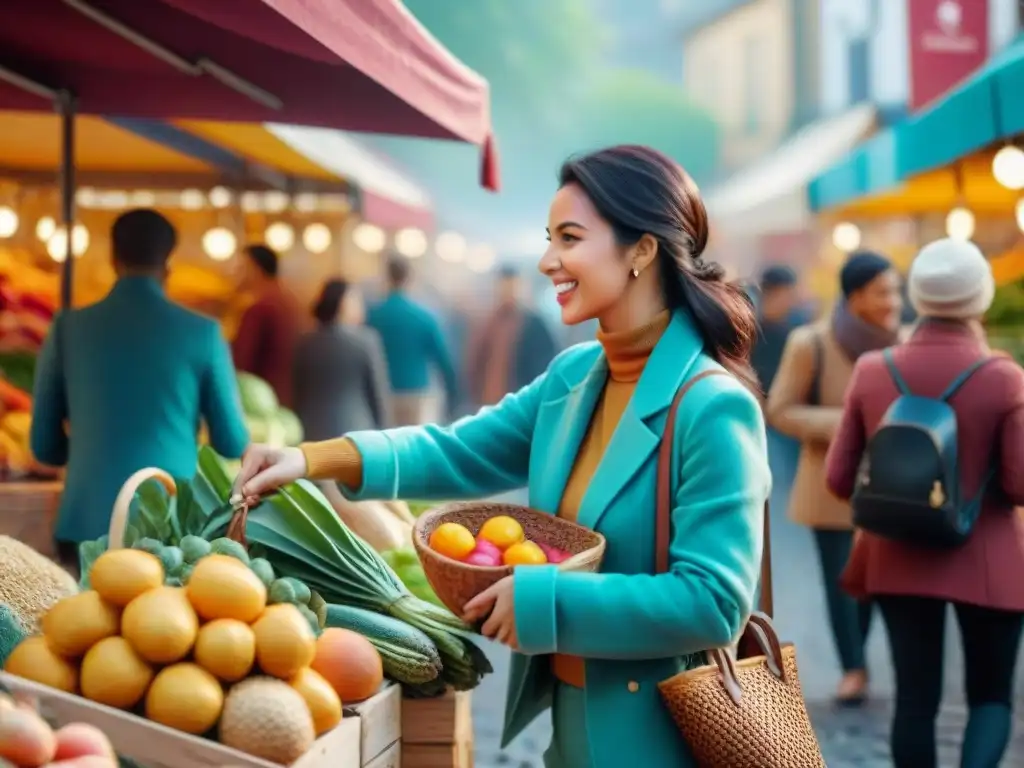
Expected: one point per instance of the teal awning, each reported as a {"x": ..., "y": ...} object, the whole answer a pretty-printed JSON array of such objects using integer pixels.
[
  {"x": 986, "y": 108},
  {"x": 870, "y": 168}
]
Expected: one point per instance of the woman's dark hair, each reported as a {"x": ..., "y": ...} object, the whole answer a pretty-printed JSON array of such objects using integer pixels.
[
  {"x": 639, "y": 191},
  {"x": 328, "y": 305}
]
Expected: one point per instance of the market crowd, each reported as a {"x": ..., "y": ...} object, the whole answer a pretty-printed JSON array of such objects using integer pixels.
[{"x": 839, "y": 391}]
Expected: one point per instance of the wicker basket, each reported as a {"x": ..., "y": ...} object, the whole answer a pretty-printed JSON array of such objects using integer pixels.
[{"x": 456, "y": 583}]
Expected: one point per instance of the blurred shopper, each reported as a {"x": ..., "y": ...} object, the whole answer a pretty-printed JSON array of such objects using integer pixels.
[
  {"x": 512, "y": 346},
  {"x": 951, "y": 287},
  {"x": 340, "y": 378},
  {"x": 805, "y": 402},
  {"x": 777, "y": 301},
  {"x": 414, "y": 346},
  {"x": 133, "y": 376},
  {"x": 265, "y": 344}
]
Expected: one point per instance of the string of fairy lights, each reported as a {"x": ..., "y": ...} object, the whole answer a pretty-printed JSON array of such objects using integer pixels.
[{"x": 291, "y": 221}]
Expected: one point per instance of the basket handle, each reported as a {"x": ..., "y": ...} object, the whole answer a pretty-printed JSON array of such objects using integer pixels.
[
  {"x": 123, "y": 502},
  {"x": 761, "y": 633}
]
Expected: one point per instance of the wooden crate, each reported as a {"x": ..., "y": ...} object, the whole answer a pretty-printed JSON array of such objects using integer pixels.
[
  {"x": 368, "y": 736},
  {"x": 28, "y": 511},
  {"x": 438, "y": 733}
]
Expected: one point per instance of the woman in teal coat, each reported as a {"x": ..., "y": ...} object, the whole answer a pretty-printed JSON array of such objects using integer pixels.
[{"x": 627, "y": 230}]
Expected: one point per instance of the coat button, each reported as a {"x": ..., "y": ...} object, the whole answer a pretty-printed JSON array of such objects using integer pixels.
[{"x": 632, "y": 686}]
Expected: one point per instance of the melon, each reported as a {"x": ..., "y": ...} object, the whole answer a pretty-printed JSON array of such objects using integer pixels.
[{"x": 267, "y": 718}]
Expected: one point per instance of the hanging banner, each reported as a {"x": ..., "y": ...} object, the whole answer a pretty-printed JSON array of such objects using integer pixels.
[{"x": 948, "y": 41}]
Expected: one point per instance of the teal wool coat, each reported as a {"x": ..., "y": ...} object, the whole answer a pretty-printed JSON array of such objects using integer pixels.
[{"x": 633, "y": 628}]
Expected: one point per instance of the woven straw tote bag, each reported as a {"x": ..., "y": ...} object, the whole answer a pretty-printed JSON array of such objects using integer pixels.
[{"x": 743, "y": 712}]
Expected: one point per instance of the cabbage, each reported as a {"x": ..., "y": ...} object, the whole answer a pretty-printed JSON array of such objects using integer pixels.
[{"x": 258, "y": 398}]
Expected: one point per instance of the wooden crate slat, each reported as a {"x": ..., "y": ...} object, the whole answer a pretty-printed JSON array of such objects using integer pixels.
[
  {"x": 381, "y": 718},
  {"x": 446, "y": 719},
  {"x": 389, "y": 758}
]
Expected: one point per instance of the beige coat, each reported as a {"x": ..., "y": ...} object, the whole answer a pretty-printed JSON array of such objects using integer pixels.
[{"x": 790, "y": 412}]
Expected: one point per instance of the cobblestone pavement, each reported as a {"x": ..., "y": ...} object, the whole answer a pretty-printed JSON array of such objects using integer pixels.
[{"x": 849, "y": 738}]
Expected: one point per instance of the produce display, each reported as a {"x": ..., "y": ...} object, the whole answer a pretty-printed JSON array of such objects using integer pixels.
[
  {"x": 30, "y": 584},
  {"x": 501, "y": 541},
  {"x": 268, "y": 421},
  {"x": 304, "y": 556},
  {"x": 211, "y": 657}
]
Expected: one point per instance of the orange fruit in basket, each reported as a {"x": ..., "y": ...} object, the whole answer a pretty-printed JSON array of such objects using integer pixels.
[
  {"x": 349, "y": 663},
  {"x": 186, "y": 697},
  {"x": 323, "y": 701},
  {"x": 226, "y": 648},
  {"x": 222, "y": 587},
  {"x": 34, "y": 659},
  {"x": 285, "y": 642},
  {"x": 524, "y": 553},
  {"x": 502, "y": 531},
  {"x": 452, "y": 540},
  {"x": 76, "y": 623},
  {"x": 121, "y": 575},
  {"x": 114, "y": 674}
]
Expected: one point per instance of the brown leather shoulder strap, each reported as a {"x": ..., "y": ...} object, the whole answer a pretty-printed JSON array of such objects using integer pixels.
[{"x": 663, "y": 532}]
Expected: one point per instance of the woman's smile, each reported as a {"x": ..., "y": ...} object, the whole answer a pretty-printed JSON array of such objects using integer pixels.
[{"x": 565, "y": 291}]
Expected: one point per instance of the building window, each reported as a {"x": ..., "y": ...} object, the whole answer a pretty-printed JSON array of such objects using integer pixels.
[
  {"x": 858, "y": 69},
  {"x": 753, "y": 67}
]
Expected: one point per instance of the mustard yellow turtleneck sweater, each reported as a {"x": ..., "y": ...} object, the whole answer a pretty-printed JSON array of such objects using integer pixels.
[{"x": 627, "y": 353}]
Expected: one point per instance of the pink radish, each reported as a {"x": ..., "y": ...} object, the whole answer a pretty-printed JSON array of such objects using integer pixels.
[
  {"x": 486, "y": 559},
  {"x": 553, "y": 554}
]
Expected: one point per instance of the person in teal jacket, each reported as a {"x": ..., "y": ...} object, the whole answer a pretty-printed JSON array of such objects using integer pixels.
[
  {"x": 124, "y": 384},
  {"x": 627, "y": 230},
  {"x": 415, "y": 348}
]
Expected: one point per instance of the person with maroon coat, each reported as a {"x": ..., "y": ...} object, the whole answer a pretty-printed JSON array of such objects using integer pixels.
[
  {"x": 269, "y": 331},
  {"x": 951, "y": 287}
]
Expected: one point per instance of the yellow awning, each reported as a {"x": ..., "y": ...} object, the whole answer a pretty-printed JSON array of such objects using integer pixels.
[
  {"x": 31, "y": 142},
  {"x": 1009, "y": 267},
  {"x": 939, "y": 191},
  {"x": 254, "y": 142}
]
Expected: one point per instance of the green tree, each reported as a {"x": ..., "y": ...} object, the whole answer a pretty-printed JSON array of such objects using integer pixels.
[{"x": 637, "y": 107}]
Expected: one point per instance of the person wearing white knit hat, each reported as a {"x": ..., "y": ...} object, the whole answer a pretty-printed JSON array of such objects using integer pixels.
[
  {"x": 946, "y": 359},
  {"x": 951, "y": 279}
]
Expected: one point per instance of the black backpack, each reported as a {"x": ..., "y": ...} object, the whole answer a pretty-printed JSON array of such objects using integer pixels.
[{"x": 908, "y": 483}]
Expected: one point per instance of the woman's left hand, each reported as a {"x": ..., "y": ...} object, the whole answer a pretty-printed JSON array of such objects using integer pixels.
[{"x": 498, "y": 601}]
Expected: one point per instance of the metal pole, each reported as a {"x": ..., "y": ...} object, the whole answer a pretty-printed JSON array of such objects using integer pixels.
[{"x": 66, "y": 107}]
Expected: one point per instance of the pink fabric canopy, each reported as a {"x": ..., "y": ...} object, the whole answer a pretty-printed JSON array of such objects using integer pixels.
[{"x": 359, "y": 65}]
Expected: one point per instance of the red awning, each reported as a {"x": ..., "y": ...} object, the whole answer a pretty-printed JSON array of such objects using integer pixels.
[{"x": 359, "y": 65}]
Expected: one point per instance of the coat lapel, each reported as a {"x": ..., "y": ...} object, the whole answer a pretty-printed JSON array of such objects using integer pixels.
[
  {"x": 562, "y": 441},
  {"x": 637, "y": 436}
]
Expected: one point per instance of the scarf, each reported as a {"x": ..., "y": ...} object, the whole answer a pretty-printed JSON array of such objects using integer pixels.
[{"x": 856, "y": 336}]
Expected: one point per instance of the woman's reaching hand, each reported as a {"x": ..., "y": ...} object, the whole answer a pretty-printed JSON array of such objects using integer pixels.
[{"x": 265, "y": 469}]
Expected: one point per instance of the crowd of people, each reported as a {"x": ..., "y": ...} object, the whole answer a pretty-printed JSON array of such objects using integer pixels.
[
  {"x": 839, "y": 399},
  {"x": 830, "y": 386}
]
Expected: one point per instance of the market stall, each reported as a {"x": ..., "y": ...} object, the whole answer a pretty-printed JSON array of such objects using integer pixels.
[{"x": 290, "y": 62}]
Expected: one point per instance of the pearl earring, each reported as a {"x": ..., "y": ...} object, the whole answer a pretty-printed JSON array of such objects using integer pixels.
[{"x": 636, "y": 272}]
